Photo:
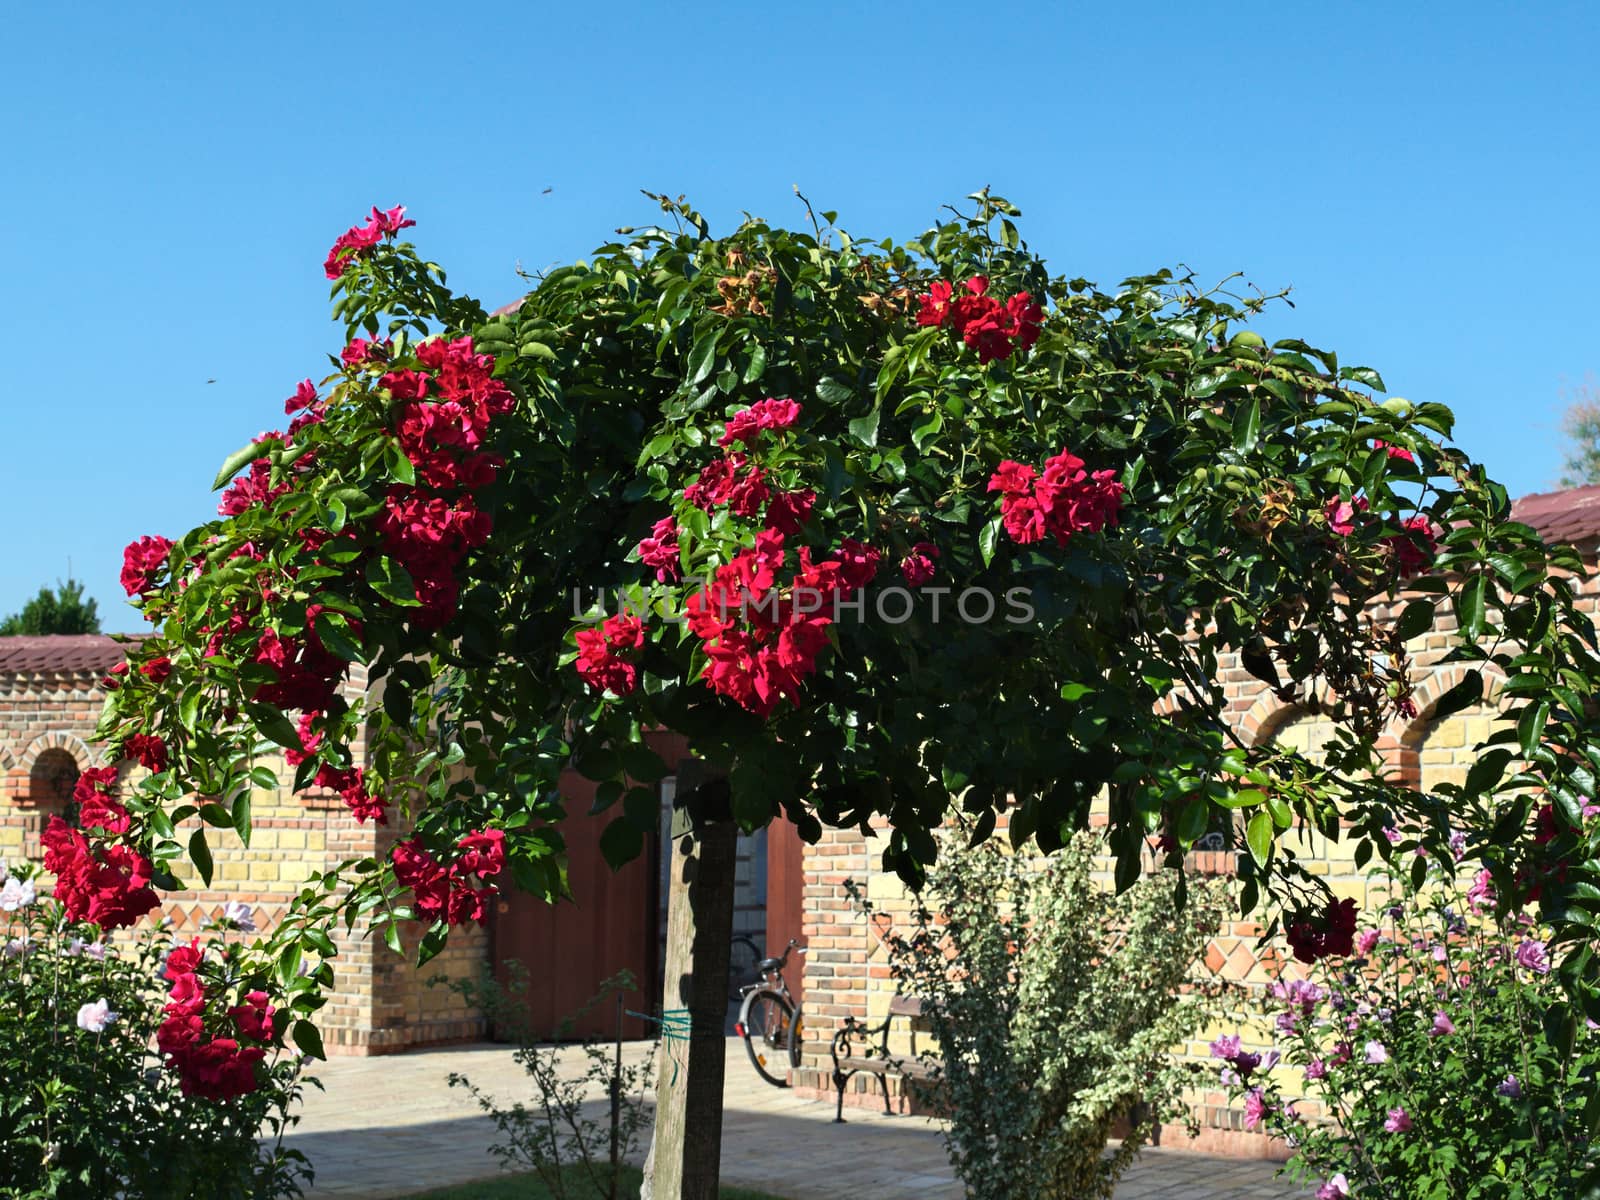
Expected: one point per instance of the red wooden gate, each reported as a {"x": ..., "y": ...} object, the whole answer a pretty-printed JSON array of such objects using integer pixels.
[{"x": 569, "y": 948}]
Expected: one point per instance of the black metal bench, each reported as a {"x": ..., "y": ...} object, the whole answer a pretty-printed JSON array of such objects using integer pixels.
[{"x": 875, "y": 1058}]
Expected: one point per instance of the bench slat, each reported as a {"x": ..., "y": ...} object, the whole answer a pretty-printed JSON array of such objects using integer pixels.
[{"x": 886, "y": 1066}]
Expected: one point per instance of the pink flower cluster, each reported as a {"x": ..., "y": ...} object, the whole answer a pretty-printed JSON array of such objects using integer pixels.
[
  {"x": 447, "y": 893},
  {"x": 1063, "y": 500},
  {"x": 660, "y": 550},
  {"x": 1328, "y": 934},
  {"x": 760, "y": 640},
  {"x": 429, "y": 536},
  {"x": 108, "y": 885},
  {"x": 142, "y": 562},
  {"x": 442, "y": 425},
  {"x": 306, "y": 673},
  {"x": 359, "y": 240},
  {"x": 1413, "y": 550},
  {"x": 211, "y": 1068},
  {"x": 992, "y": 328},
  {"x": 608, "y": 656},
  {"x": 349, "y": 782},
  {"x": 97, "y": 808},
  {"x": 446, "y": 415},
  {"x": 746, "y": 425}
]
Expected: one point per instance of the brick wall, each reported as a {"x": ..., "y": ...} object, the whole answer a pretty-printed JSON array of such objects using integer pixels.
[
  {"x": 380, "y": 1002},
  {"x": 847, "y": 974}
]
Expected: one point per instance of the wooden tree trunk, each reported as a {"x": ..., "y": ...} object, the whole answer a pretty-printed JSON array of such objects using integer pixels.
[{"x": 686, "y": 1147}]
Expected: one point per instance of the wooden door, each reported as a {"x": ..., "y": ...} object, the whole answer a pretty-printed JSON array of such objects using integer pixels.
[{"x": 571, "y": 947}]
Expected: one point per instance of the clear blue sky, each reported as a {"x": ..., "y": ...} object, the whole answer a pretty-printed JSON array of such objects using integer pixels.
[{"x": 1424, "y": 175}]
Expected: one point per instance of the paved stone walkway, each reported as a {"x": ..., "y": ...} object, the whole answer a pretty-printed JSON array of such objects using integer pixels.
[{"x": 391, "y": 1126}]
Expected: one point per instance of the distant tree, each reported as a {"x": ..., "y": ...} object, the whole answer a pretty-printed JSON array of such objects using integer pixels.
[
  {"x": 1581, "y": 426},
  {"x": 60, "y": 610}
]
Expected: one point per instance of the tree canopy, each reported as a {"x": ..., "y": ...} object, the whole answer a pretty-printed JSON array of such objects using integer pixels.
[
  {"x": 901, "y": 528},
  {"x": 62, "y": 609}
]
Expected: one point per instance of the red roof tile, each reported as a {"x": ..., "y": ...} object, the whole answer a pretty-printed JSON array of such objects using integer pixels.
[
  {"x": 1571, "y": 515},
  {"x": 60, "y": 654}
]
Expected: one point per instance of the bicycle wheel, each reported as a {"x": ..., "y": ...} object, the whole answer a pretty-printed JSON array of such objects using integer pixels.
[
  {"x": 765, "y": 1023},
  {"x": 742, "y": 959}
]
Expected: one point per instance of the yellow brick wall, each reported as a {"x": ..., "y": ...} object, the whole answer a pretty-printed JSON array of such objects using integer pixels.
[{"x": 380, "y": 1001}]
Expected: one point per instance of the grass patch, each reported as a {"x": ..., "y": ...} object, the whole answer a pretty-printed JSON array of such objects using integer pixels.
[{"x": 531, "y": 1187}]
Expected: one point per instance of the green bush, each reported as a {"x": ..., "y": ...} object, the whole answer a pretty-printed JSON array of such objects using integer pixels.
[
  {"x": 567, "y": 1135},
  {"x": 86, "y": 1109},
  {"x": 1055, "y": 1006},
  {"x": 1440, "y": 1048}
]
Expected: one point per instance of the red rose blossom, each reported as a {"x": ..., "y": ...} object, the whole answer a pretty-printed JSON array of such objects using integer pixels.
[
  {"x": 660, "y": 550},
  {"x": 142, "y": 561},
  {"x": 917, "y": 567},
  {"x": 149, "y": 749}
]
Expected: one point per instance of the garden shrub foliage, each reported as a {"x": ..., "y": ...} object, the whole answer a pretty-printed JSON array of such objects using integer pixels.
[
  {"x": 565, "y": 1135},
  {"x": 1429, "y": 1050},
  {"x": 807, "y": 417},
  {"x": 1054, "y": 1007},
  {"x": 86, "y": 1112}
]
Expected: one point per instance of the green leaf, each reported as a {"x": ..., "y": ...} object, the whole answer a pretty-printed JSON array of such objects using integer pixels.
[
  {"x": 200, "y": 855},
  {"x": 620, "y": 842},
  {"x": 391, "y": 581},
  {"x": 865, "y": 429},
  {"x": 1416, "y": 620},
  {"x": 335, "y": 634},
  {"x": 1248, "y": 798},
  {"x": 400, "y": 468},
  {"x": 1365, "y": 376},
  {"x": 641, "y": 763},
  {"x": 216, "y": 816},
  {"x": 1258, "y": 836},
  {"x": 1469, "y": 606},
  {"x": 241, "y": 816},
  {"x": 987, "y": 537},
  {"x": 1247, "y": 424},
  {"x": 703, "y": 356},
  {"x": 1194, "y": 820},
  {"x": 236, "y": 462},
  {"x": 1464, "y": 695},
  {"x": 1487, "y": 770},
  {"x": 189, "y": 707},
  {"x": 757, "y": 365},
  {"x": 308, "y": 1039},
  {"x": 271, "y": 723},
  {"x": 1531, "y": 725}
]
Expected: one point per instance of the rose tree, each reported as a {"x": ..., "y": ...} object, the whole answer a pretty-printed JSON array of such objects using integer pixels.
[{"x": 895, "y": 528}]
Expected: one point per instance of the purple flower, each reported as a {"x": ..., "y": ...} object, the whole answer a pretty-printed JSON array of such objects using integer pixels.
[
  {"x": 1458, "y": 843},
  {"x": 1509, "y": 1087},
  {"x": 1287, "y": 1022},
  {"x": 1226, "y": 1047},
  {"x": 1316, "y": 1069},
  {"x": 1442, "y": 1025},
  {"x": 1398, "y": 1121},
  {"x": 1481, "y": 894},
  {"x": 1255, "y": 1108},
  {"x": 1377, "y": 1053},
  {"x": 1366, "y": 940},
  {"x": 1245, "y": 1063},
  {"x": 1531, "y": 955},
  {"x": 1337, "y": 1188}
]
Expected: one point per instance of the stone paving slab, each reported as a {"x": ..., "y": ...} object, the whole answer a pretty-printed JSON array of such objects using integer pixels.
[{"x": 390, "y": 1126}]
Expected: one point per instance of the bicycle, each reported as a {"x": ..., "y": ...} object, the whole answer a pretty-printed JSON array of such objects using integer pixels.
[
  {"x": 769, "y": 1018},
  {"x": 743, "y": 955}
]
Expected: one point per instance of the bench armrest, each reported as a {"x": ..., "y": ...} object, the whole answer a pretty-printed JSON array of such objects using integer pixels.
[{"x": 851, "y": 1032}]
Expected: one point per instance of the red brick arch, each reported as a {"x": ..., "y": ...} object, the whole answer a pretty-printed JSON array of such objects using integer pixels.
[{"x": 70, "y": 744}]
